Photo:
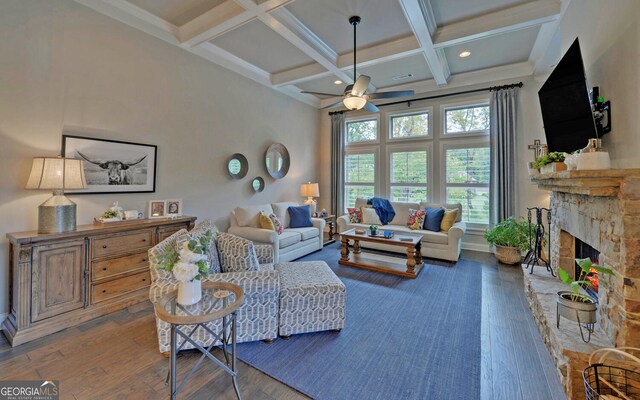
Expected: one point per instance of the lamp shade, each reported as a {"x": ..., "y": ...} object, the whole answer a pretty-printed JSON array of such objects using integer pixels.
[
  {"x": 56, "y": 174},
  {"x": 309, "y": 190},
  {"x": 354, "y": 102}
]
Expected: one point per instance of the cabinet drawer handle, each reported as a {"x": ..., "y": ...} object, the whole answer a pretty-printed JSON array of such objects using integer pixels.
[
  {"x": 104, "y": 246},
  {"x": 144, "y": 279},
  {"x": 104, "y": 291},
  {"x": 104, "y": 269},
  {"x": 144, "y": 240},
  {"x": 144, "y": 259}
]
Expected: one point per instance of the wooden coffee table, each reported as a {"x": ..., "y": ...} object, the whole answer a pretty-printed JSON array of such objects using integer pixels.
[{"x": 382, "y": 263}]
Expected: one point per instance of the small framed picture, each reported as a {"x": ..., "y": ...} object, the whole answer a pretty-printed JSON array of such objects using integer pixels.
[
  {"x": 174, "y": 208},
  {"x": 157, "y": 208}
]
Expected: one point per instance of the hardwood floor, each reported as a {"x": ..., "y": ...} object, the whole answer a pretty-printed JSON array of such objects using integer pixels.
[{"x": 116, "y": 356}]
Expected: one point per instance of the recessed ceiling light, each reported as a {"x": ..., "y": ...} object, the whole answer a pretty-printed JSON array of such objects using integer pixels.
[
  {"x": 465, "y": 53},
  {"x": 338, "y": 82}
]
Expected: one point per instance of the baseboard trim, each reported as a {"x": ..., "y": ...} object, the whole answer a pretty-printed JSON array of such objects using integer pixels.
[
  {"x": 476, "y": 247},
  {"x": 3, "y": 316}
]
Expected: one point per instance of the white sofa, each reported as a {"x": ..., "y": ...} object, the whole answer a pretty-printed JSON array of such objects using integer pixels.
[
  {"x": 441, "y": 245},
  {"x": 293, "y": 243}
]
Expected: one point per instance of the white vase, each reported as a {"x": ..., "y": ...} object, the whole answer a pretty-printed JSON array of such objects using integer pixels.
[{"x": 189, "y": 292}]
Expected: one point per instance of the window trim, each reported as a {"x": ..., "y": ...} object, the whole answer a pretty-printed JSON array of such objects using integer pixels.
[
  {"x": 422, "y": 110},
  {"x": 405, "y": 147},
  {"x": 375, "y": 150},
  {"x": 457, "y": 106},
  {"x": 371, "y": 117},
  {"x": 478, "y": 142}
]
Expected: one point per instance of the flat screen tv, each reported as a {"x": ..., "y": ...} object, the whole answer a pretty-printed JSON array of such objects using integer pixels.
[{"x": 566, "y": 107}]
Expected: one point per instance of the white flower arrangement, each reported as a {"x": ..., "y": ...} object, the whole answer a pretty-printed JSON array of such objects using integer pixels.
[{"x": 191, "y": 262}]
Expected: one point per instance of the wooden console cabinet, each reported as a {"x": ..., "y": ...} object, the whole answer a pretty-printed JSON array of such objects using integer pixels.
[{"x": 60, "y": 280}]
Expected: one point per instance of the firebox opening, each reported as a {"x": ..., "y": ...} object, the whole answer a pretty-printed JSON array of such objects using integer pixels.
[{"x": 583, "y": 250}]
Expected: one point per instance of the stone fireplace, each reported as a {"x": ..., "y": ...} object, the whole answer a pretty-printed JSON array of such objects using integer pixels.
[{"x": 594, "y": 214}]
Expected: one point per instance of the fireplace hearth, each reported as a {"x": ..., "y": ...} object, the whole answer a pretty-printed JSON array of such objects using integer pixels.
[{"x": 596, "y": 215}]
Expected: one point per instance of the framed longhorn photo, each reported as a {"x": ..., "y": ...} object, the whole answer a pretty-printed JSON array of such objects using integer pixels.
[{"x": 112, "y": 166}]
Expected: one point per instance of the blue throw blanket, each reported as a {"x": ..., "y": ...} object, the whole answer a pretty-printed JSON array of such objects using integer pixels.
[{"x": 383, "y": 209}]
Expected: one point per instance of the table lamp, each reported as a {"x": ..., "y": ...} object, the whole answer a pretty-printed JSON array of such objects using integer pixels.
[
  {"x": 310, "y": 190},
  {"x": 58, "y": 214}
]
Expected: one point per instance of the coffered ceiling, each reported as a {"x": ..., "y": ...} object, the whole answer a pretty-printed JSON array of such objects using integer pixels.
[{"x": 298, "y": 45}]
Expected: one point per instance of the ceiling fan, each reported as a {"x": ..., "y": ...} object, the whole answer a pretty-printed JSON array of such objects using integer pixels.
[{"x": 355, "y": 97}]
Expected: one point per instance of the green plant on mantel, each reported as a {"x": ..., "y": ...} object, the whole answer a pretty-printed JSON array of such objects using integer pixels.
[
  {"x": 586, "y": 267},
  {"x": 555, "y": 156},
  {"x": 511, "y": 232}
]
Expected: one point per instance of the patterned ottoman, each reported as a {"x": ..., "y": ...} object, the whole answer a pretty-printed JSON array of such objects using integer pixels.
[{"x": 312, "y": 298}]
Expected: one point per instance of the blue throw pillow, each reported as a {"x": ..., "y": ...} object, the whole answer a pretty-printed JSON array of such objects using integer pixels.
[
  {"x": 433, "y": 218},
  {"x": 300, "y": 216}
]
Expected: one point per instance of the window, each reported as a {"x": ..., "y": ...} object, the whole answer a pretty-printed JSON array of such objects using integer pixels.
[
  {"x": 467, "y": 119},
  {"x": 409, "y": 126},
  {"x": 362, "y": 131},
  {"x": 467, "y": 181},
  {"x": 408, "y": 182},
  {"x": 437, "y": 153},
  {"x": 359, "y": 177}
]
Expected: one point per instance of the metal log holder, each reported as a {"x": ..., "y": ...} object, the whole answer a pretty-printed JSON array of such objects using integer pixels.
[{"x": 536, "y": 240}]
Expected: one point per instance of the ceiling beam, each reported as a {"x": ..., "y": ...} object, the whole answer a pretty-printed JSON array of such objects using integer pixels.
[
  {"x": 295, "y": 32},
  {"x": 522, "y": 16},
  {"x": 388, "y": 51},
  {"x": 544, "y": 39},
  {"x": 221, "y": 19},
  {"x": 486, "y": 76},
  {"x": 144, "y": 21},
  {"x": 422, "y": 22}
]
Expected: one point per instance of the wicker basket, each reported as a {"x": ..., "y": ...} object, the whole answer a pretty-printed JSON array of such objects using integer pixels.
[
  {"x": 612, "y": 382},
  {"x": 508, "y": 255}
]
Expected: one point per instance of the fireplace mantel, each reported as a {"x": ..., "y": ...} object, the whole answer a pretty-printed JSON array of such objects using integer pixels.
[{"x": 600, "y": 183}]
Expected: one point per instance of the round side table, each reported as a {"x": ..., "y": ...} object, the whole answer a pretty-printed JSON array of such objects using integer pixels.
[{"x": 220, "y": 300}]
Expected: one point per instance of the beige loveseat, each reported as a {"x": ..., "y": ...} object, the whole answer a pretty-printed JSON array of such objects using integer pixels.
[
  {"x": 441, "y": 245},
  {"x": 293, "y": 243}
]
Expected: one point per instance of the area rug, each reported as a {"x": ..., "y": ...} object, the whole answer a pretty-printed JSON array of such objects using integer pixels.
[{"x": 403, "y": 338}]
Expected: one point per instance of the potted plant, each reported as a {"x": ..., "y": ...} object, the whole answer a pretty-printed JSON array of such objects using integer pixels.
[
  {"x": 552, "y": 162},
  {"x": 574, "y": 305},
  {"x": 510, "y": 238},
  {"x": 374, "y": 230}
]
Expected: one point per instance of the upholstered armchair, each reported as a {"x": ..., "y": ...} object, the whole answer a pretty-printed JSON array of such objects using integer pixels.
[{"x": 257, "y": 318}]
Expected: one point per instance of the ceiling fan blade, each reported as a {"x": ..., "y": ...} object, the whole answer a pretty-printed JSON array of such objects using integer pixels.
[
  {"x": 322, "y": 94},
  {"x": 369, "y": 106},
  {"x": 332, "y": 105},
  {"x": 390, "y": 95},
  {"x": 361, "y": 85}
]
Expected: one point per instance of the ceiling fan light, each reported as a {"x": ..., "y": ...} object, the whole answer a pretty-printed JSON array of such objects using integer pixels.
[{"x": 354, "y": 102}]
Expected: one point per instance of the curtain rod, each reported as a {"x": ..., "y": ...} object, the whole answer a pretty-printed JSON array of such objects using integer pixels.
[{"x": 485, "y": 89}]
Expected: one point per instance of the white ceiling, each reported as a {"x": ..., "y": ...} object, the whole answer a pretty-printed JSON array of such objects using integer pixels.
[{"x": 307, "y": 44}]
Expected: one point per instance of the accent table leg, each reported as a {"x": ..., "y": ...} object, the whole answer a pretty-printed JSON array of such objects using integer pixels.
[
  {"x": 173, "y": 361},
  {"x": 233, "y": 357},
  {"x": 331, "y": 233},
  {"x": 345, "y": 249},
  {"x": 411, "y": 261}
]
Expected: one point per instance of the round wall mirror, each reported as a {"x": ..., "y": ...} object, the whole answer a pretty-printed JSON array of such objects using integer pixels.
[
  {"x": 257, "y": 184},
  {"x": 237, "y": 166},
  {"x": 277, "y": 161}
]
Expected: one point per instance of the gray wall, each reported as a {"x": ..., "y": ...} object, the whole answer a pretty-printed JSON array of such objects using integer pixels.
[{"x": 66, "y": 67}]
